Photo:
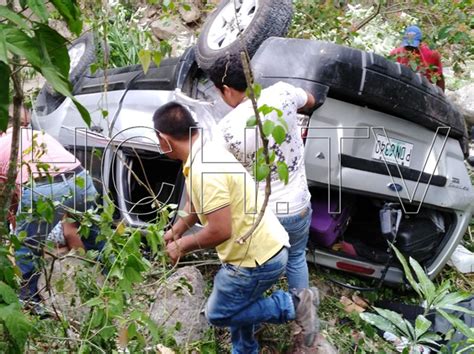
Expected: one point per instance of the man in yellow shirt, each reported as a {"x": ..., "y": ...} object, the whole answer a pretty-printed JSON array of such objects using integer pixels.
[{"x": 223, "y": 197}]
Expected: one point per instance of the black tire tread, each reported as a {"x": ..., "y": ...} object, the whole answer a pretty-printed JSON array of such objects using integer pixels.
[
  {"x": 83, "y": 66},
  {"x": 272, "y": 19}
]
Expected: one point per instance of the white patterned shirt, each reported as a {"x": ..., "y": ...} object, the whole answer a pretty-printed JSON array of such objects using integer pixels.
[{"x": 242, "y": 143}]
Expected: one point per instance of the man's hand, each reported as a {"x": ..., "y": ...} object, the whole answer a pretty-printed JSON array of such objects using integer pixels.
[
  {"x": 217, "y": 230},
  {"x": 170, "y": 236},
  {"x": 174, "y": 251}
]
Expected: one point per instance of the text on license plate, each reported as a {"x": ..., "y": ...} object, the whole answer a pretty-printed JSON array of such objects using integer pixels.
[{"x": 393, "y": 150}]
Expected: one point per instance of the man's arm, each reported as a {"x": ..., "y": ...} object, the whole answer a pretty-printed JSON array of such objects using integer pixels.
[
  {"x": 183, "y": 224},
  {"x": 310, "y": 102},
  {"x": 439, "y": 70},
  {"x": 217, "y": 230},
  {"x": 441, "y": 83}
]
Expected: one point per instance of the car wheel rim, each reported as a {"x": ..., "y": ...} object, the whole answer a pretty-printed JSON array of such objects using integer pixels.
[
  {"x": 230, "y": 22},
  {"x": 75, "y": 54}
]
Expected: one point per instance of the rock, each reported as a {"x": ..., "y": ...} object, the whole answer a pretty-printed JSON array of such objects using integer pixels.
[
  {"x": 463, "y": 99},
  {"x": 177, "y": 34},
  {"x": 64, "y": 294},
  {"x": 179, "y": 303},
  {"x": 60, "y": 27},
  {"x": 168, "y": 28},
  {"x": 192, "y": 12}
]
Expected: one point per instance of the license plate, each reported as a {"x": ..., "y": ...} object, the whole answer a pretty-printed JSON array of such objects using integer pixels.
[{"x": 393, "y": 150}]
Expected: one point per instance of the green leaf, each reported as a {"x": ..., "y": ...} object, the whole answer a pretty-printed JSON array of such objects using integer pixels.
[
  {"x": 282, "y": 169},
  {"x": 283, "y": 123},
  {"x": 145, "y": 59},
  {"x": 53, "y": 48},
  {"x": 3, "y": 48},
  {"x": 397, "y": 321},
  {"x": 18, "y": 328},
  {"x": 132, "y": 275},
  {"x": 186, "y": 7},
  {"x": 379, "y": 322},
  {"x": 260, "y": 156},
  {"x": 71, "y": 14},
  {"x": 22, "y": 45},
  {"x": 457, "y": 323},
  {"x": 45, "y": 209},
  {"x": 431, "y": 338},
  {"x": 39, "y": 9},
  {"x": 272, "y": 156},
  {"x": 442, "y": 291},
  {"x": 407, "y": 270},
  {"x": 257, "y": 90},
  {"x": 426, "y": 285},
  {"x": 459, "y": 308},
  {"x": 268, "y": 126},
  {"x": 7, "y": 294},
  {"x": 262, "y": 172},
  {"x": 96, "y": 301},
  {"x": 4, "y": 95},
  {"x": 57, "y": 80},
  {"x": 165, "y": 48},
  {"x": 13, "y": 17},
  {"x": 62, "y": 85},
  {"x": 82, "y": 110},
  {"x": 443, "y": 33},
  {"x": 251, "y": 122},
  {"x": 80, "y": 182},
  {"x": 422, "y": 325},
  {"x": 157, "y": 56},
  {"x": 279, "y": 134},
  {"x": 265, "y": 109},
  {"x": 452, "y": 299}
]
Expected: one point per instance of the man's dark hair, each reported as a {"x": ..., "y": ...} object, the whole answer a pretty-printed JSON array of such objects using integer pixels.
[
  {"x": 228, "y": 70},
  {"x": 175, "y": 120}
]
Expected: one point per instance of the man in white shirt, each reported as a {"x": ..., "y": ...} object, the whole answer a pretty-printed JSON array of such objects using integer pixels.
[{"x": 291, "y": 201}]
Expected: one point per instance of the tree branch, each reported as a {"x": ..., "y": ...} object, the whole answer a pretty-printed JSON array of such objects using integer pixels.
[
  {"x": 8, "y": 188},
  {"x": 367, "y": 19},
  {"x": 249, "y": 79}
]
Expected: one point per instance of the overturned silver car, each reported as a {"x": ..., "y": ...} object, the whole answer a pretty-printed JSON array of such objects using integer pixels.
[{"x": 382, "y": 141}]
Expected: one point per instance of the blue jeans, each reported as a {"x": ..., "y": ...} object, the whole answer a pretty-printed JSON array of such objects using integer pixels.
[
  {"x": 69, "y": 194},
  {"x": 237, "y": 301},
  {"x": 297, "y": 226}
]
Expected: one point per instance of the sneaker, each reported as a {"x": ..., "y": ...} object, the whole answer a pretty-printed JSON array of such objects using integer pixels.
[{"x": 306, "y": 314}]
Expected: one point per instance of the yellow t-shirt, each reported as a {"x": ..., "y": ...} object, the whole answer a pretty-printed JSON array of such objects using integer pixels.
[{"x": 215, "y": 179}]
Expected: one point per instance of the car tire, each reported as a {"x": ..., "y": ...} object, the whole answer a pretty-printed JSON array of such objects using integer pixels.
[
  {"x": 266, "y": 18},
  {"x": 82, "y": 54}
]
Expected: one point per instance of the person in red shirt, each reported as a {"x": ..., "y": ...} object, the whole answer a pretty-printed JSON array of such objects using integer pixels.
[{"x": 419, "y": 57}]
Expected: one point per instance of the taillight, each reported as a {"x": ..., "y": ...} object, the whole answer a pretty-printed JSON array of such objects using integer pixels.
[{"x": 354, "y": 268}]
